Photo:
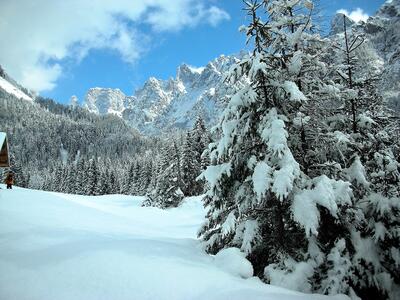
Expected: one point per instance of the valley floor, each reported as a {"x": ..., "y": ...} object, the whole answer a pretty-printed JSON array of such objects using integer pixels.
[{"x": 57, "y": 246}]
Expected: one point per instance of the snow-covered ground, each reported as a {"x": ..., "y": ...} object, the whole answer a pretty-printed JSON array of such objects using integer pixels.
[{"x": 58, "y": 246}]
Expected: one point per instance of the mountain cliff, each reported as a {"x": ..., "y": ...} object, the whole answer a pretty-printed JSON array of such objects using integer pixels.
[{"x": 161, "y": 105}]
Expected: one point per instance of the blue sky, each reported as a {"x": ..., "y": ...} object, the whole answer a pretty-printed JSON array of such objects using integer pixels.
[{"x": 120, "y": 43}]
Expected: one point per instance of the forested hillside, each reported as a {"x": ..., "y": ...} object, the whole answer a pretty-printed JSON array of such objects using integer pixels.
[
  {"x": 66, "y": 148},
  {"x": 44, "y": 135}
]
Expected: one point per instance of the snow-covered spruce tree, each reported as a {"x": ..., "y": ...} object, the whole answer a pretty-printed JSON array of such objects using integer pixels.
[
  {"x": 263, "y": 197},
  {"x": 70, "y": 178},
  {"x": 364, "y": 128},
  {"x": 104, "y": 183},
  {"x": 201, "y": 139},
  {"x": 193, "y": 162},
  {"x": 62, "y": 183},
  {"x": 154, "y": 175},
  {"x": 190, "y": 167},
  {"x": 114, "y": 184},
  {"x": 92, "y": 176},
  {"x": 56, "y": 179},
  {"x": 167, "y": 192},
  {"x": 144, "y": 176},
  {"x": 128, "y": 180},
  {"x": 135, "y": 180},
  {"x": 21, "y": 179},
  {"x": 80, "y": 180}
]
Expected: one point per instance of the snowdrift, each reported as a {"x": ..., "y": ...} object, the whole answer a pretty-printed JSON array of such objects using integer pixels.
[{"x": 58, "y": 246}]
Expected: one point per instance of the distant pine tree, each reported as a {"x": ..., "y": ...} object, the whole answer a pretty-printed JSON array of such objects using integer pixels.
[
  {"x": 190, "y": 167},
  {"x": 81, "y": 177},
  {"x": 128, "y": 181},
  {"x": 21, "y": 179},
  {"x": 167, "y": 192},
  {"x": 114, "y": 184},
  {"x": 193, "y": 163}
]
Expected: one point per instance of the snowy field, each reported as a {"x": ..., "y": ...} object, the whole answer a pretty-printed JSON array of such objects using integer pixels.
[{"x": 57, "y": 246}]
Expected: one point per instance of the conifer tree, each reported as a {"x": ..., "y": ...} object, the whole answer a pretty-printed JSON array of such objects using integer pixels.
[
  {"x": 114, "y": 184},
  {"x": 92, "y": 178},
  {"x": 135, "y": 179},
  {"x": 190, "y": 166},
  {"x": 128, "y": 180},
  {"x": 156, "y": 169},
  {"x": 70, "y": 179},
  {"x": 80, "y": 180},
  {"x": 104, "y": 183},
  {"x": 144, "y": 177},
  {"x": 263, "y": 196},
  {"x": 363, "y": 126},
  {"x": 193, "y": 163},
  {"x": 21, "y": 179},
  {"x": 167, "y": 192}
]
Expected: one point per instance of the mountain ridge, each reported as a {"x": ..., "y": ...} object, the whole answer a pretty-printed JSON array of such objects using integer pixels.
[{"x": 163, "y": 105}]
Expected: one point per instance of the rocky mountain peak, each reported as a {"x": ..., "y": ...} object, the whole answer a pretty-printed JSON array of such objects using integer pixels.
[
  {"x": 188, "y": 74},
  {"x": 338, "y": 22},
  {"x": 105, "y": 100}
]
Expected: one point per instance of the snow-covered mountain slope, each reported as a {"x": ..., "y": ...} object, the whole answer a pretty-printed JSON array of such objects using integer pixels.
[
  {"x": 382, "y": 35},
  {"x": 59, "y": 246},
  {"x": 161, "y": 105},
  {"x": 12, "y": 89}
]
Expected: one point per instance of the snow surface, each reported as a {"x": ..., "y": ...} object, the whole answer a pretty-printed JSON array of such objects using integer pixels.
[
  {"x": 58, "y": 246},
  {"x": 11, "y": 89}
]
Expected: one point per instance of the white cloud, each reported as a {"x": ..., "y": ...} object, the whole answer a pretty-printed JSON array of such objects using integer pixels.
[
  {"x": 356, "y": 15},
  {"x": 37, "y": 35},
  {"x": 173, "y": 17},
  {"x": 40, "y": 77},
  {"x": 216, "y": 15}
]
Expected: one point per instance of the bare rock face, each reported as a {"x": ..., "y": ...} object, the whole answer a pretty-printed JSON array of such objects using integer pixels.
[{"x": 163, "y": 105}]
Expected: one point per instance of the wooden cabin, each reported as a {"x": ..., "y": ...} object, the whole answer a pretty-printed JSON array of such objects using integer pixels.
[{"x": 4, "y": 156}]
